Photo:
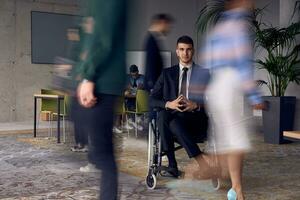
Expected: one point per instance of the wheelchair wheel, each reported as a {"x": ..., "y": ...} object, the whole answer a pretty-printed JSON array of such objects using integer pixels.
[
  {"x": 219, "y": 184},
  {"x": 215, "y": 183},
  {"x": 150, "y": 145},
  {"x": 151, "y": 181}
]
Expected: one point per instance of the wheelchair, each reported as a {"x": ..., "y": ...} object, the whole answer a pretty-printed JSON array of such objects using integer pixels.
[{"x": 155, "y": 155}]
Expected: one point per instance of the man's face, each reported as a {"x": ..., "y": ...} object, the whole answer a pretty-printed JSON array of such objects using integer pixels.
[
  {"x": 165, "y": 27},
  {"x": 134, "y": 75},
  {"x": 185, "y": 53}
]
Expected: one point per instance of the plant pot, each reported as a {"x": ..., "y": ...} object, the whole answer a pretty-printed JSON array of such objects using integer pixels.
[{"x": 278, "y": 118}]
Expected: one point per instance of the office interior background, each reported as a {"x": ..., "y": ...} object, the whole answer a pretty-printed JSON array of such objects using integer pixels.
[{"x": 20, "y": 78}]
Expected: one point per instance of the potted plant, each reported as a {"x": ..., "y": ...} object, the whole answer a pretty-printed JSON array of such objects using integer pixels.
[{"x": 281, "y": 62}]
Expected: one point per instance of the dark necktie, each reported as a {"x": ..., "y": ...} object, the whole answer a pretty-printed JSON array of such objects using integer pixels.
[
  {"x": 134, "y": 83},
  {"x": 184, "y": 82}
]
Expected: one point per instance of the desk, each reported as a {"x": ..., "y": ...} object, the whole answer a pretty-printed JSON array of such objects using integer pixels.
[{"x": 48, "y": 96}]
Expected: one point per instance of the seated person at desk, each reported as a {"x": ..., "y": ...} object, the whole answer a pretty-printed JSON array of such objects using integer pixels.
[
  {"x": 179, "y": 114},
  {"x": 135, "y": 82}
]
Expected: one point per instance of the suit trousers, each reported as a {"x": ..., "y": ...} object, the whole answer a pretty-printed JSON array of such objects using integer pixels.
[
  {"x": 99, "y": 123},
  {"x": 188, "y": 128}
]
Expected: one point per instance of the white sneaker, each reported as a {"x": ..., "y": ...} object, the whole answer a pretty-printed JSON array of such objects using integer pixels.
[
  {"x": 84, "y": 149},
  {"x": 128, "y": 127},
  {"x": 164, "y": 159},
  {"x": 139, "y": 119},
  {"x": 130, "y": 121},
  {"x": 139, "y": 127},
  {"x": 89, "y": 168},
  {"x": 79, "y": 148},
  {"x": 117, "y": 130}
]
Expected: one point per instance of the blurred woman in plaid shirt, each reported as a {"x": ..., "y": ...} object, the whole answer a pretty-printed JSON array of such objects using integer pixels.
[{"x": 228, "y": 55}]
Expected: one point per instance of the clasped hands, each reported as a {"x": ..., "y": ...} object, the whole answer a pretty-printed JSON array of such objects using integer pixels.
[{"x": 181, "y": 104}]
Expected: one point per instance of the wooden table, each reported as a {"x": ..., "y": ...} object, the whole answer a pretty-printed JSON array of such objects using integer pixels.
[
  {"x": 292, "y": 134},
  {"x": 48, "y": 96}
]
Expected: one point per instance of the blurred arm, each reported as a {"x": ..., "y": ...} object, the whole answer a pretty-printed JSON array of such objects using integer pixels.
[
  {"x": 156, "y": 97},
  {"x": 103, "y": 24}
]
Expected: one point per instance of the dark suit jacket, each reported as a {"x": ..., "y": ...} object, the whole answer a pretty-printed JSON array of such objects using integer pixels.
[
  {"x": 154, "y": 62},
  {"x": 166, "y": 87}
]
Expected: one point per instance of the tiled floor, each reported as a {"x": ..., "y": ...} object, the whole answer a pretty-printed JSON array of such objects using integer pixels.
[{"x": 39, "y": 168}]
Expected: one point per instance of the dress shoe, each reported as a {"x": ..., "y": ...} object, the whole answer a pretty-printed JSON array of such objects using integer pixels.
[{"x": 172, "y": 172}]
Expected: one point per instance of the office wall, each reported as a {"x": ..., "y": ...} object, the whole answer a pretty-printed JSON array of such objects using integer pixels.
[
  {"x": 19, "y": 79},
  {"x": 184, "y": 12},
  {"x": 7, "y": 57}
]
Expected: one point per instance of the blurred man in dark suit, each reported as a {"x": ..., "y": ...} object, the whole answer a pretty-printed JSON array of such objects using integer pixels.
[{"x": 160, "y": 27}]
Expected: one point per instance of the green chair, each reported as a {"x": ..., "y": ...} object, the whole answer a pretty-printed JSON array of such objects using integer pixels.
[
  {"x": 141, "y": 107},
  {"x": 119, "y": 109},
  {"x": 49, "y": 106},
  {"x": 65, "y": 112},
  {"x": 119, "y": 106}
]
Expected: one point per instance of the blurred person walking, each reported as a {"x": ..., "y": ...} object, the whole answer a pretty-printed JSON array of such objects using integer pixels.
[
  {"x": 64, "y": 79},
  {"x": 102, "y": 74},
  {"x": 74, "y": 36},
  {"x": 228, "y": 54},
  {"x": 158, "y": 30}
]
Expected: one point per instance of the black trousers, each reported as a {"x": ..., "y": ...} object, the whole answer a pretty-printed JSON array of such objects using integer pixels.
[
  {"x": 99, "y": 122},
  {"x": 77, "y": 116},
  {"x": 188, "y": 128}
]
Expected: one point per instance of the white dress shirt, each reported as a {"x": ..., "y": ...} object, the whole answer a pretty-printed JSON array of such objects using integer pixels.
[{"x": 189, "y": 72}]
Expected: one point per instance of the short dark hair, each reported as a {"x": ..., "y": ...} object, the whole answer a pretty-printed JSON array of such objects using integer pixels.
[
  {"x": 186, "y": 40},
  {"x": 162, "y": 17},
  {"x": 133, "y": 69}
]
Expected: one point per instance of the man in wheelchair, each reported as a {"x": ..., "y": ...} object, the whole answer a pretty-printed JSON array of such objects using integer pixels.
[{"x": 181, "y": 117}]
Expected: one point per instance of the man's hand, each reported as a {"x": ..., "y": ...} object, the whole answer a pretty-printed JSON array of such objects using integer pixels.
[
  {"x": 85, "y": 93},
  {"x": 175, "y": 104},
  {"x": 127, "y": 93},
  {"x": 188, "y": 105}
]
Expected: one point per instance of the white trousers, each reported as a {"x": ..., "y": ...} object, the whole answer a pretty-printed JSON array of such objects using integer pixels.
[{"x": 225, "y": 107}]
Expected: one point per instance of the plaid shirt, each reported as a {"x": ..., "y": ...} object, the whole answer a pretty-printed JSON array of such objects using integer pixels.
[{"x": 230, "y": 45}]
